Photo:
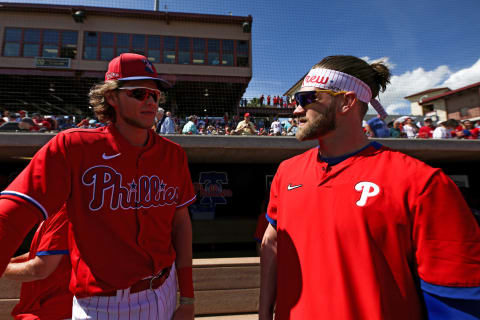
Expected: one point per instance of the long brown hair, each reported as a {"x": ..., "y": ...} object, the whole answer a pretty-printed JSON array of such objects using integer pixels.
[{"x": 102, "y": 109}]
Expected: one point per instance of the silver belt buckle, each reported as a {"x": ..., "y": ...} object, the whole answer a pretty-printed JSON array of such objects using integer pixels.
[{"x": 158, "y": 275}]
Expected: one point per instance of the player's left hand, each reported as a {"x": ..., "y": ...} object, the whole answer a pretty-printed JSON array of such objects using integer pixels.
[{"x": 184, "y": 312}]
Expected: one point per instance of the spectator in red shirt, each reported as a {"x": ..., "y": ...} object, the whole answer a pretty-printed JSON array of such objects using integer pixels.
[
  {"x": 37, "y": 118},
  {"x": 268, "y": 99},
  {"x": 469, "y": 131},
  {"x": 426, "y": 132}
]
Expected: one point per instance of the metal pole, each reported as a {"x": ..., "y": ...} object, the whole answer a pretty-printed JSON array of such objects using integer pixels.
[{"x": 157, "y": 5}]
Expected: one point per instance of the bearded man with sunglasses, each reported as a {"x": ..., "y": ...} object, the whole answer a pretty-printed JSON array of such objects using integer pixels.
[
  {"x": 357, "y": 230},
  {"x": 125, "y": 191}
]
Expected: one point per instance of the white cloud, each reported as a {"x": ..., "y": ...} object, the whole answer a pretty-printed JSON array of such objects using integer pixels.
[
  {"x": 385, "y": 60},
  {"x": 463, "y": 77},
  {"x": 398, "y": 108},
  {"x": 420, "y": 79},
  {"x": 408, "y": 83}
]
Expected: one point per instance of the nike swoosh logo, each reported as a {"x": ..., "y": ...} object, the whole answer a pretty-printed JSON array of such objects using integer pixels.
[
  {"x": 105, "y": 157},
  {"x": 290, "y": 187}
]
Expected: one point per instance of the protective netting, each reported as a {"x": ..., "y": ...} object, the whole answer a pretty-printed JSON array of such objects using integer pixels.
[{"x": 228, "y": 58}]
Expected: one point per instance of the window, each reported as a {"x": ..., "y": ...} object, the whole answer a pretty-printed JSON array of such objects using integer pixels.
[
  {"x": 154, "y": 43},
  {"x": 161, "y": 49},
  {"x": 40, "y": 42},
  {"x": 169, "y": 50},
  {"x": 123, "y": 43},
  {"x": 91, "y": 45},
  {"x": 138, "y": 44},
  {"x": 427, "y": 108},
  {"x": 213, "y": 52},
  {"x": 198, "y": 51},
  {"x": 13, "y": 38},
  {"x": 51, "y": 39},
  {"x": 227, "y": 52},
  {"x": 184, "y": 48},
  {"x": 31, "y": 42},
  {"x": 107, "y": 41},
  {"x": 242, "y": 53},
  {"x": 69, "y": 44},
  {"x": 113, "y": 44}
]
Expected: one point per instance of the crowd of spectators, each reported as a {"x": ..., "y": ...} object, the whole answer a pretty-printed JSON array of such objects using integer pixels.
[
  {"x": 22, "y": 121},
  {"x": 166, "y": 123},
  {"x": 269, "y": 101},
  {"x": 406, "y": 127}
]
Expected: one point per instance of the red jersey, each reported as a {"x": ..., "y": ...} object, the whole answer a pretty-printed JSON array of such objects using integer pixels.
[
  {"x": 120, "y": 201},
  {"x": 474, "y": 133},
  {"x": 354, "y": 239},
  {"x": 425, "y": 132},
  {"x": 48, "y": 298}
]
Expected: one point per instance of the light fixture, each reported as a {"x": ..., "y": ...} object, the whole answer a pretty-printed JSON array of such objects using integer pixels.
[
  {"x": 247, "y": 27},
  {"x": 78, "y": 15},
  {"x": 206, "y": 93}
]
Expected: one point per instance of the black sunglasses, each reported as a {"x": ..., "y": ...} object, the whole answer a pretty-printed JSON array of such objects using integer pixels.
[{"x": 304, "y": 98}]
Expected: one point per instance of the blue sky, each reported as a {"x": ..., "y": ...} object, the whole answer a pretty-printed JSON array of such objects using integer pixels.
[{"x": 428, "y": 43}]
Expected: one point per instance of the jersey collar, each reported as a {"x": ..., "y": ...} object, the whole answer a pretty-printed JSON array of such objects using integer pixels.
[{"x": 336, "y": 160}]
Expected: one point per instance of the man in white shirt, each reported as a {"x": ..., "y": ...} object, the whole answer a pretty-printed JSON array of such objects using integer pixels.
[
  {"x": 442, "y": 131},
  {"x": 276, "y": 128}
]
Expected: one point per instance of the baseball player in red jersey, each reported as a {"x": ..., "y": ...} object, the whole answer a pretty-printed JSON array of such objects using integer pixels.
[
  {"x": 125, "y": 191},
  {"x": 45, "y": 273},
  {"x": 359, "y": 231}
]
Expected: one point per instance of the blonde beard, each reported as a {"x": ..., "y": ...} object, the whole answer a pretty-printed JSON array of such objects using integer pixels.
[{"x": 323, "y": 124}]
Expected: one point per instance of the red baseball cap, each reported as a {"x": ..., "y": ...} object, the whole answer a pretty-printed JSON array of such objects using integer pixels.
[
  {"x": 132, "y": 66},
  {"x": 246, "y": 114}
]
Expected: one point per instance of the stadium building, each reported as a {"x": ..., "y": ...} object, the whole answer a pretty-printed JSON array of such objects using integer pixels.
[
  {"x": 51, "y": 55},
  {"x": 443, "y": 103}
]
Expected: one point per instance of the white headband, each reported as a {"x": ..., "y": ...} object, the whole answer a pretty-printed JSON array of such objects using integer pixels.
[{"x": 339, "y": 81}]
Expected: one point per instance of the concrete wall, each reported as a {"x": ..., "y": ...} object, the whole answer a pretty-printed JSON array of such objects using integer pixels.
[
  {"x": 416, "y": 109},
  {"x": 249, "y": 150}
]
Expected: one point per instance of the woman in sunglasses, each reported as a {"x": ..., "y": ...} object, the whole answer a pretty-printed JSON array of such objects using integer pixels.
[{"x": 357, "y": 230}]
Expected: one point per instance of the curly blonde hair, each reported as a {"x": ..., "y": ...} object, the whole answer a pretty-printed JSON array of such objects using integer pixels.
[{"x": 102, "y": 109}]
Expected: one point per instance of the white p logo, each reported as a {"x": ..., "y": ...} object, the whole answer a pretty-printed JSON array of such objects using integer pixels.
[{"x": 369, "y": 189}]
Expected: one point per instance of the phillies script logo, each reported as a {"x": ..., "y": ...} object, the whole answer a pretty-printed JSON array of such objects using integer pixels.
[
  {"x": 315, "y": 79},
  {"x": 145, "y": 193}
]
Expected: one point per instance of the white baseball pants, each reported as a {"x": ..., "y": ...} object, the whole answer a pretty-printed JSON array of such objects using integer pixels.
[{"x": 158, "y": 304}]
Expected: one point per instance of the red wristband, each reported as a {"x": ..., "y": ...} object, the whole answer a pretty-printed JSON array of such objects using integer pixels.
[{"x": 185, "y": 282}]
